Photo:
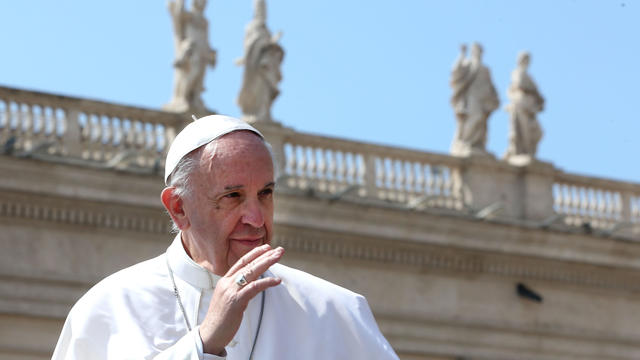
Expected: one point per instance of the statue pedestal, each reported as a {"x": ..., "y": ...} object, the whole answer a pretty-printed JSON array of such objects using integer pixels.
[{"x": 517, "y": 191}]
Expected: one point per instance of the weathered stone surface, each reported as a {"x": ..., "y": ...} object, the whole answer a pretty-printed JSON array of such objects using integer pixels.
[
  {"x": 261, "y": 60},
  {"x": 193, "y": 56},
  {"x": 526, "y": 102},
  {"x": 474, "y": 99},
  {"x": 419, "y": 234}
]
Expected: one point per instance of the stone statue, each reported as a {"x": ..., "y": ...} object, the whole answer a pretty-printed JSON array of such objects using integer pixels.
[
  {"x": 193, "y": 54},
  {"x": 474, "y": 98},
  {"x": 262, "y": 58},
  {"x": 526, "y": 102}
]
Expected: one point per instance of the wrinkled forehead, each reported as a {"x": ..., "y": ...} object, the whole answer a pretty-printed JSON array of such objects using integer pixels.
[
  {"x": 241, "y": 144},
  {"x": 237, "y": 158}
]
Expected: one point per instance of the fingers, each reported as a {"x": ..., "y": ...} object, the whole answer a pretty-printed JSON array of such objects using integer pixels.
[
  {"x": 255, "y": 287},
  {"x": 263, "y": 262},
  {"x": 247, "y": 258}
]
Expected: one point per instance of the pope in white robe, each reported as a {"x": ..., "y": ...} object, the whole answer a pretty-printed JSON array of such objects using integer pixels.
[{"x": 158, "y": 309}]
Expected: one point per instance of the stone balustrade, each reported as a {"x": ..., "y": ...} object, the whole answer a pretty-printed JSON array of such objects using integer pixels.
[
  {"x": 342, "y": 167},
  {"x": 595, "y": 202},
  {"x": 100, "y": 134}
]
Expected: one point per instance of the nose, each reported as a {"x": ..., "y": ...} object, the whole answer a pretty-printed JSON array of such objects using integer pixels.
[{"x": 253, "y": 214}]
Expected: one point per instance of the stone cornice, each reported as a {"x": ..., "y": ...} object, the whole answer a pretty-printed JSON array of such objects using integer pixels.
[
  {"x": 83, "y": 212},
  {"x": 375, "y": 251},
  {"x": 463, "y": 232},
  {"x": 81, "y": 182}
]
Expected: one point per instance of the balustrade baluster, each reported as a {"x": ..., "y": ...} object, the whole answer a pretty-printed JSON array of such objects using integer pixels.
[
  {"x": 19, "y": 130},
  {"x": 118, "y": 135},
  {"x": 38, "y": 124},
  {"x": 574, "y": 200},
  {"x": 438, "y": 182},
  {"x": 375, "y": 176},
  {"x": 87, "y": 134},
  {"x": 352, "y": 169},
  {"x": 342, "y": 168},
  {"x": 129, "y": 139},
  {"x": 332, "y": 167},
  {"x": 321, "y": 169},
  {"x": 48, "y": 130},
  {"x": 4, "y": 122},
  {"x": 390, "y": 179},
  {"x": 420, "y": 179},
  {"x": 66, "y": 132},
  {"x": 410, "y": 179},
  {"x": 106, "y": 140},
  {"x": 562, "y": 198},
  {"x": 152, "y": 144},
  {"x": 447, "y": 188},
  {"x": 96, "y": 140},
  {"x": 361, "y": 172},
  {"x": 583, "y": 201},
  {"x": 400, "y": 186},
  {"x": 635, "y": 209},
  {"x": 311, "y": 163},
  {"x": 28, "y": 127},
  {"x": 290, "y": 159},
  {"x": 618, "y": 206},
  {"x": 302, "y": 166},
  {"x": 591, "y": 206},
  {"x": 139, "y": 141},
  {"x": 608, "y": 212},
  {"x": 169, "y": 135}
]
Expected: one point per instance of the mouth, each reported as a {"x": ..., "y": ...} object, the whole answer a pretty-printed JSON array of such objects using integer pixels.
[{"x": 250, "y": 243}]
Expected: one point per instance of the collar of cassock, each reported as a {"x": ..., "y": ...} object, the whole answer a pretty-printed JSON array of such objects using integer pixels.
[{"x": 188, "y": 270}]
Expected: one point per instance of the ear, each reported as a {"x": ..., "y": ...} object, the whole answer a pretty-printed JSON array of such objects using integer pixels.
[{"x": 174, "y": 205}]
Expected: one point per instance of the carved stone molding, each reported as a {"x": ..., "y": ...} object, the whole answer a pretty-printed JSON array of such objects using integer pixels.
[
  {"x": 83, "y": 213},
  {"x": 435, "y": 258}
]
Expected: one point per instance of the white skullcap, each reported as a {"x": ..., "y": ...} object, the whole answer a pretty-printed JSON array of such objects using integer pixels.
[{"x": 198, "y": 133}]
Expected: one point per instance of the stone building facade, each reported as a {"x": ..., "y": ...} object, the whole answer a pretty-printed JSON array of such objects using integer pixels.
[{"x": 459, "y": 258}]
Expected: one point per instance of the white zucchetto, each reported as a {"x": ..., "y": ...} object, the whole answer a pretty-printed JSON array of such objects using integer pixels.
[{"x": 201, "y": 132}]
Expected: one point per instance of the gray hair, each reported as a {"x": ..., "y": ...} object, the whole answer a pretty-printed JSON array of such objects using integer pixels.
[{"x": 180, "y": 178}]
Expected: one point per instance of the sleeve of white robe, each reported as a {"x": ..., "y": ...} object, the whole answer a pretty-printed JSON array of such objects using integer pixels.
[{"x": 85, "y": 345}]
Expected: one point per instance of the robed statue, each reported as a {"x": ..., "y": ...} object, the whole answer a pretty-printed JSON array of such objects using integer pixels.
[
  {"x": 262, "y": 59},
  {"x": 193, "y": 55},
  {"x": 525, "y": 103},
  {"x": 474, "y": 99}
]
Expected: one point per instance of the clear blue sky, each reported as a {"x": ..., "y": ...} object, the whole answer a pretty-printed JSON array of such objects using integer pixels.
[{"x": 374, "y": 71}]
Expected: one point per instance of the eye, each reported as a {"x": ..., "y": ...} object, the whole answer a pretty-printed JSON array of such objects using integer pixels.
[
  {"x": 266, "y": 192},
  {"x": 234, "y": 194}
]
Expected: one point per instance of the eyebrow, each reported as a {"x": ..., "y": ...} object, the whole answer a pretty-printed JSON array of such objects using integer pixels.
[{"x": 236, "y": 187}]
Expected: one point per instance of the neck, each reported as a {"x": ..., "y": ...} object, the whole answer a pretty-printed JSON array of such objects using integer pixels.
[{"x": 190, "y": 250}]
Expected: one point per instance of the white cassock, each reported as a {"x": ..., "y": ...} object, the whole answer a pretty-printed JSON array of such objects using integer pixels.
[{"x": 134, "y": 314}]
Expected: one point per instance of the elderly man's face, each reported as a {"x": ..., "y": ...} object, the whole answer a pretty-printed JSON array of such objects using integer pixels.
[{"x": 230, "y": 209}]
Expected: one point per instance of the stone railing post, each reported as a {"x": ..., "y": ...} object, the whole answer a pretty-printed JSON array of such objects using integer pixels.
[
  {"x": 485, "y": 183},
  {"x": 370, "y": 175},
  {"x": 71, "y": 139},
  {"x": 537, "y": 191},
  {"x": 496, "y": 188},
  {"x": 626, "y": 206}
]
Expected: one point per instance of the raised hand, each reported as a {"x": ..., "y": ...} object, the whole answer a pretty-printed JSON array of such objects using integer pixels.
[{"x": 231, "y": 297}]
